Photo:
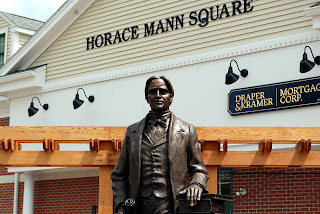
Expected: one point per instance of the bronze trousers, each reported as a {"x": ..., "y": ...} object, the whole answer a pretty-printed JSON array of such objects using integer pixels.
[{"x": 155, "y": 205}]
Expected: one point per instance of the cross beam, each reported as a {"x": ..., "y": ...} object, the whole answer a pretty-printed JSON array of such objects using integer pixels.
[{"x": 105, "y": 145}]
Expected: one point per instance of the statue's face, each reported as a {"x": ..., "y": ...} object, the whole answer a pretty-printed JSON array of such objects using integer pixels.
[{"x": 159, "y": 97}]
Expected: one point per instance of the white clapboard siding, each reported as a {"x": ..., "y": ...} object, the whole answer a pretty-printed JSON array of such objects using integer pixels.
[
  {"x": 23, "y": 38},
  {"x": 67, "y": 57},
  {"x": 5, "y": 25}
]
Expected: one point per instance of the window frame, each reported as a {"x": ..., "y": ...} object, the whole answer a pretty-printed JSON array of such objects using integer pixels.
[
  {"x": 5, "y": 32},
  {"x": 229, "y": 205}
]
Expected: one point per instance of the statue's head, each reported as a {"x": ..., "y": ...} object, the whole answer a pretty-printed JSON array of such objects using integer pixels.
[{"x": 159, "y": 93}]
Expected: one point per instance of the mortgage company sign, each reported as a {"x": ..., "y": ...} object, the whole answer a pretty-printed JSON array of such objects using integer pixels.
[{"x": 276, "y": 96}]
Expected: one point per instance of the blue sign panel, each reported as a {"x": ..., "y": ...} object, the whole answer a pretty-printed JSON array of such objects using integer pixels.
[{"x": 276, "y": 96}]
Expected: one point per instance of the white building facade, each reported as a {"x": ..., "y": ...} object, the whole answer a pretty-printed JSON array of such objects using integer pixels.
[{"x": 110, "y": 49}]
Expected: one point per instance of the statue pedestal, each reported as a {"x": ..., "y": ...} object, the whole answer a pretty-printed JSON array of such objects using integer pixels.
[{"x": 209, "y": 203}]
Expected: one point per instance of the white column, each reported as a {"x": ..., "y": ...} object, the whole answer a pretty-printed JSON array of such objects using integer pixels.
[
  {"x": 16, "y": 192},
  {"x": 28, "y": 195}
]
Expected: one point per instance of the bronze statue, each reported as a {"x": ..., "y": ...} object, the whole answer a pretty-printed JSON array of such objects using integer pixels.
[{"x": 156, "y": 155}]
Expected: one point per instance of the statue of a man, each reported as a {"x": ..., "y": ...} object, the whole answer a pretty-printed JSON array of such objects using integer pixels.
[{"x": 157, "y": 154}]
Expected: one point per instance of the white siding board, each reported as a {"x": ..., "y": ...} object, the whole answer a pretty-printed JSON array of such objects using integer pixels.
[
  {"x": 67, "y": 56},
  {"x": 75, "y": 68},
  {"x": 224, "y": 24},
  {"x": 23, "y": 38},
  {"x": 231, "y": 27},
  {"x": 63, "y": 42},
  {"x": 126, "y": 19}
]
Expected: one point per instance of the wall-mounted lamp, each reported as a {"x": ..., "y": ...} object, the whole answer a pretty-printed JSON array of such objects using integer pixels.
[
  {"x": 77, "y": 102},
  {"x": 232, "y": 77},
  {"x": 33, "y": 110},
  {"x": 305, "y": 64}
]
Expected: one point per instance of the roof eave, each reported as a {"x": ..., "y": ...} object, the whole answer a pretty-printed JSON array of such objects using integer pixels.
[
  {"x": 23, "y": 30},
  {"x": 28, "y": 80},
  {"x": 46, "y": 35}
]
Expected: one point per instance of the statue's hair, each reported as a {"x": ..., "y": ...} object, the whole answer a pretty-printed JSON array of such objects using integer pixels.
[{"x": 165, "y": 79}]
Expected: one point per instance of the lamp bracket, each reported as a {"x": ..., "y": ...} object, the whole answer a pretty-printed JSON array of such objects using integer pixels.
[
  {"x": 236, "y": 64},
  {"x": 311, "y": 52},
  {"x": 45, "y": 106},
  {"x": 90, "y": 98}
]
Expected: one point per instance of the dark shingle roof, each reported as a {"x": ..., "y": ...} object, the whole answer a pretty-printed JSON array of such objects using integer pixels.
[
  {"x": 24, "y": 22},
  {"x": 24, "y": 70}
]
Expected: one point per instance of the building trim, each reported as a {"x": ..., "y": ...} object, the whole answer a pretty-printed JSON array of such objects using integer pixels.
[
  {"x": 179, "y": 62},
  {"x": 23, "y": 30},
  {"x": 6, "y": 179},
  {"x": 30, "y": 79},
  {"x": 14, "y": 42},
  {"x": 55, "y": 175},
  {"x": 15, "y": 36},
  {"x": 46, "y": 35}
]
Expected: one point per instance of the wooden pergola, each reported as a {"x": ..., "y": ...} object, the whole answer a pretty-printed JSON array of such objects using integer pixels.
[{"x": 105, "y": 145}]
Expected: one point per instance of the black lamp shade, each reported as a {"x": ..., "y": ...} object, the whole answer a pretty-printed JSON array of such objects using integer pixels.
[
  {"x": 231, "y": 77},
  {"x": 32, "y": 110},
  {"x": 77, "y": 102},
  {"x": 305, "y": 64}
]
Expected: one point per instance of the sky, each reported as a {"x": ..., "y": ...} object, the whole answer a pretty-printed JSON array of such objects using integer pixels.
[{"x": 36, "y": 9}]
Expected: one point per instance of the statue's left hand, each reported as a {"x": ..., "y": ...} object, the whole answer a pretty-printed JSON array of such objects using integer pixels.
[{"x": 193, "y": 193}]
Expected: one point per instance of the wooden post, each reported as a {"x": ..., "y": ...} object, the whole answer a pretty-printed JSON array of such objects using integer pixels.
[
  {"x": 213, "y": 179},
  {"x": 105, "y": 191}
]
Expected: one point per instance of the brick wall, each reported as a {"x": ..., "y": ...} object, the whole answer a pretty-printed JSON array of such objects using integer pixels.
[
  {"x": 6, "y": 198},
  {"x": 268, "y": 191},
  {"x": 290, "y": 190},
  {"x": 72, "y": 196},
  {"x": 4, "y": 171},
  {"x": 4, "y": 121}
]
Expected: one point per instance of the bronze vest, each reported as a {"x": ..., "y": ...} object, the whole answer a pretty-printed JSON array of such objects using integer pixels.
[{"x": 155, "y": 177}]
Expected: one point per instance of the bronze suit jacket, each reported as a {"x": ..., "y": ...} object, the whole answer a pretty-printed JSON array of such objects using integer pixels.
[{"x": 184, "y": 155}]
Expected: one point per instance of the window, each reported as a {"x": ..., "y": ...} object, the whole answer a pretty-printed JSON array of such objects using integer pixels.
[
  {"x": 225, "y": 185},
  {"x": 2, "y": 48}
]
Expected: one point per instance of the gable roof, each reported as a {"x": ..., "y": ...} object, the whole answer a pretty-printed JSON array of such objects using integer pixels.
[
  {"x": 46, "y": 35},
  {"x": 23, "y": 22}
]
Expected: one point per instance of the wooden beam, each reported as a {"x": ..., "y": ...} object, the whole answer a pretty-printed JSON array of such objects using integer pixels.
[
  {"x": 105, "y": 191},
  {"x": 262, "y": 145},
  {"x": 262, "y": 159},
  {"x": 109, "y": 157},
  {"x": 289, "y": 134},
  {"x": 213, "y": 176},
  {"x": 233, "y": 134},
  {"x": 269, "y": 145},
  {"x": 58, "y": 158},
  {"x": 55, "y": 132}
]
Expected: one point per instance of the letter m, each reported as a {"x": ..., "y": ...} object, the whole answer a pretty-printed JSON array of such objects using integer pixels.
[
  {"x": 283, "y": 93},
  {"x": 149, "y": 30}
]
